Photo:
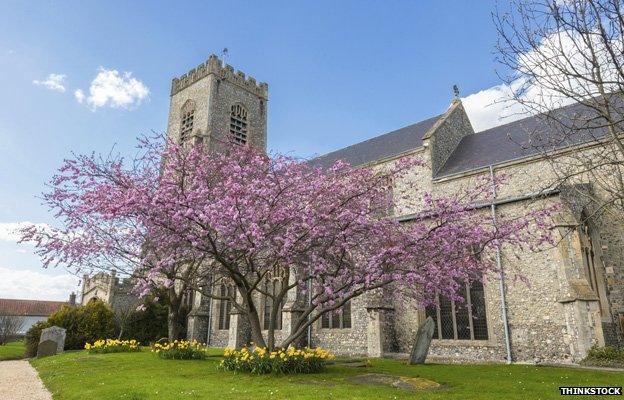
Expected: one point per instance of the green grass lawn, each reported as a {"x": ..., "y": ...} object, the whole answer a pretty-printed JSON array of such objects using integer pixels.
[
  {"x": 138, "y": 376},
  {"x": 12, "y": 351}
]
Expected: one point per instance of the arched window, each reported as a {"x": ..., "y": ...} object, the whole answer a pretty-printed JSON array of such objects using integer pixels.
[
  {"x": 238, "y": 125},
  {"x": 188, "y": 298},
  {"x": 186, "y": 122},
  {"x": 273, "y": 287},
  {"x": 225, "y": 306}
]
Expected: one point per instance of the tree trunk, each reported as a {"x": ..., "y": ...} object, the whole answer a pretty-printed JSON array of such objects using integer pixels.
[
  {"x": 256, "y": 330},
  {"x": 254, "y": 324},
  {"x": 174, "y": 325}
]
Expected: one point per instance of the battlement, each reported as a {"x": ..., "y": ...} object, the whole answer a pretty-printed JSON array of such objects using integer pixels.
[
  {"x": 99, "y": 279},
  {"x": 215, "y": 66},
  {"x": 105, "y": 287}
]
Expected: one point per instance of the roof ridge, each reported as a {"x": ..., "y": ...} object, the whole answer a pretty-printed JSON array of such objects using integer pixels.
[
  {"x": 442, "y": 117},
  {"x": 47, "y": 301}
]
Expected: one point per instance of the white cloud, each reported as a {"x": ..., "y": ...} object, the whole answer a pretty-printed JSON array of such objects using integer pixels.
[
  {"x": 556, "y": 53},
  {"x": 26, "y": 284},
  {"x": 54, "y": 82},
  {"x": 492, "y": 107},
  {"x": 79, "y": 95},
  {"x": 9, "y": 231},
  {"x": 113, "y": 89}
]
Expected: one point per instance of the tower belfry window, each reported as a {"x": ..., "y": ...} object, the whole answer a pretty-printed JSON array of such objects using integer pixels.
[
  {"x": 238, "y": 125},
  {"x": 186, "y": 123}
]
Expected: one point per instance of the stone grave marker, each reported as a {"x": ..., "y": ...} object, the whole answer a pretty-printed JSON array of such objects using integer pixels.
[
  {"x": 46, "y": 348},
  {"x": 423, "y": 340},
  {"x": 52, "y": 335}
]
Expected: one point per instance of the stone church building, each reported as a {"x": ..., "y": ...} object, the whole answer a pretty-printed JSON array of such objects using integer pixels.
[{"x": 576, "y": 294}]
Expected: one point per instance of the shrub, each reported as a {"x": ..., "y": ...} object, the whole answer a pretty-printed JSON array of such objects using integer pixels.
[
  {"x": 96, "y": 320},
  {"x": 68, "y": 317},
  {"x": 104, "y": 346},
  {"x": 290, "y": 361},
  {"x": 84, "y": 324},
  {"x": 148, "y": 325},
  {"x": 32, "y": 337},
  {"x": 608, "y": 356},
  {"x": 180, "y": 350}
]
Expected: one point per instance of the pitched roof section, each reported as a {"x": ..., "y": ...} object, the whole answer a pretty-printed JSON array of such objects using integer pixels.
[
  {"x": 527, "y": 137},
  {"x": 29, "y": 307},
  {"x": 492, "y": 146},
  {"x": 387, "y": 145},
  {"x": 519, "y": 139}
]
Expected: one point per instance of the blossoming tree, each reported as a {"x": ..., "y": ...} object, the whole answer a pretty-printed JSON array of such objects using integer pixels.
[{"x": 181, "y": 217}]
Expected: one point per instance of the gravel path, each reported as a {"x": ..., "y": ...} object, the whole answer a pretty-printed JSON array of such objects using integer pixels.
[{"x": 19, "y": 381}]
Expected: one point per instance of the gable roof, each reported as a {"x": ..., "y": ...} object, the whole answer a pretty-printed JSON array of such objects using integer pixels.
[
  {"x": 387, "y": 145},
  {"x": 38, "y": 308}
]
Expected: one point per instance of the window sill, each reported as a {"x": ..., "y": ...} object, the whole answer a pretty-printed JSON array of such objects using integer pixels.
[
  {"x": 340, "y": 330},
  {"x": 463, "y": 343}
]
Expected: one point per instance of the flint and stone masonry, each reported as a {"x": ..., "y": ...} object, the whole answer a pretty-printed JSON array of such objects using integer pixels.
[{"x": 556, "y": 318}]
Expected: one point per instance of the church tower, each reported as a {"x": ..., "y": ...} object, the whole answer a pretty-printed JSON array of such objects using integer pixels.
[{"x": 213, "y": 105}]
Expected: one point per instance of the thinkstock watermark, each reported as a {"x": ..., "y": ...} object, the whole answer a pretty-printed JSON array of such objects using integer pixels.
[{"x": 590, "y": 390}]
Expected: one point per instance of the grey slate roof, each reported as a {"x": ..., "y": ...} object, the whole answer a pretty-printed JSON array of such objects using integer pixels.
[
  {"x": 523, "y": 138},
  {"x": 387, "y": 145},
  {"x": 492, "y": 146}
]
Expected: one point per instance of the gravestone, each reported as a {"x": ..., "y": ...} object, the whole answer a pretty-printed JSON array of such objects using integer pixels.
[
  {"x": 46, "y": 348},
  {"x": 55, "y": 335},
  {"x": 423, "y": 340}
]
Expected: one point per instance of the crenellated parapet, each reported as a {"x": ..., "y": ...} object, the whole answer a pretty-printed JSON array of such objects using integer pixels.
[
  {"x": 106, "y": 287},
  {"x": 215, "y": 66}
]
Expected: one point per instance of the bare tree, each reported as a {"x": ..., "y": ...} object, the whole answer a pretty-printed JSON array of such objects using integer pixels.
[
  {"x": 124, "y": 306},
  {"x": 10, "y": 327},
  {"x": 566, "y": 64}
]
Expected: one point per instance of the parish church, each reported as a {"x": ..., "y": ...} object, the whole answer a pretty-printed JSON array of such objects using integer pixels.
[{"x": 576, "y": 294}]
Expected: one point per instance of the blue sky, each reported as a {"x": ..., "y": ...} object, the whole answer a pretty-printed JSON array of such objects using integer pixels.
[{"x": 338, "y": 73}]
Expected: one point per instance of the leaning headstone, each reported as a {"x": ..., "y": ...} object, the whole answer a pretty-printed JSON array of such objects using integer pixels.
[
  {"x": 46, "y": 348},
  {"x": 423, "y": 340},
  {"x": 54, "y": 334}
]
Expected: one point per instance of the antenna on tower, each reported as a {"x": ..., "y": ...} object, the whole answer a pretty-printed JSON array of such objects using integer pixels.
[{"x": 224, "y": 54}]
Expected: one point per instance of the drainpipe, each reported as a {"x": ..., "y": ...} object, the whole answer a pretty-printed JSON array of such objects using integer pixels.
[
  {"x": 209, "y": 330},
  {"x": 502, "y": 274},
  {"x": 309, "y": 316}
]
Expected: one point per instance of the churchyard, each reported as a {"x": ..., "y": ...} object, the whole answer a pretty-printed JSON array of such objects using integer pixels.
[
  {"x": 63, "y": 364},
  {"x": 78, "y": 375}
]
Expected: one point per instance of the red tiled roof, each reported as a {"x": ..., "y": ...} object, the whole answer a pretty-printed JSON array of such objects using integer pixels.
[{"x": 29, "y": 307}]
